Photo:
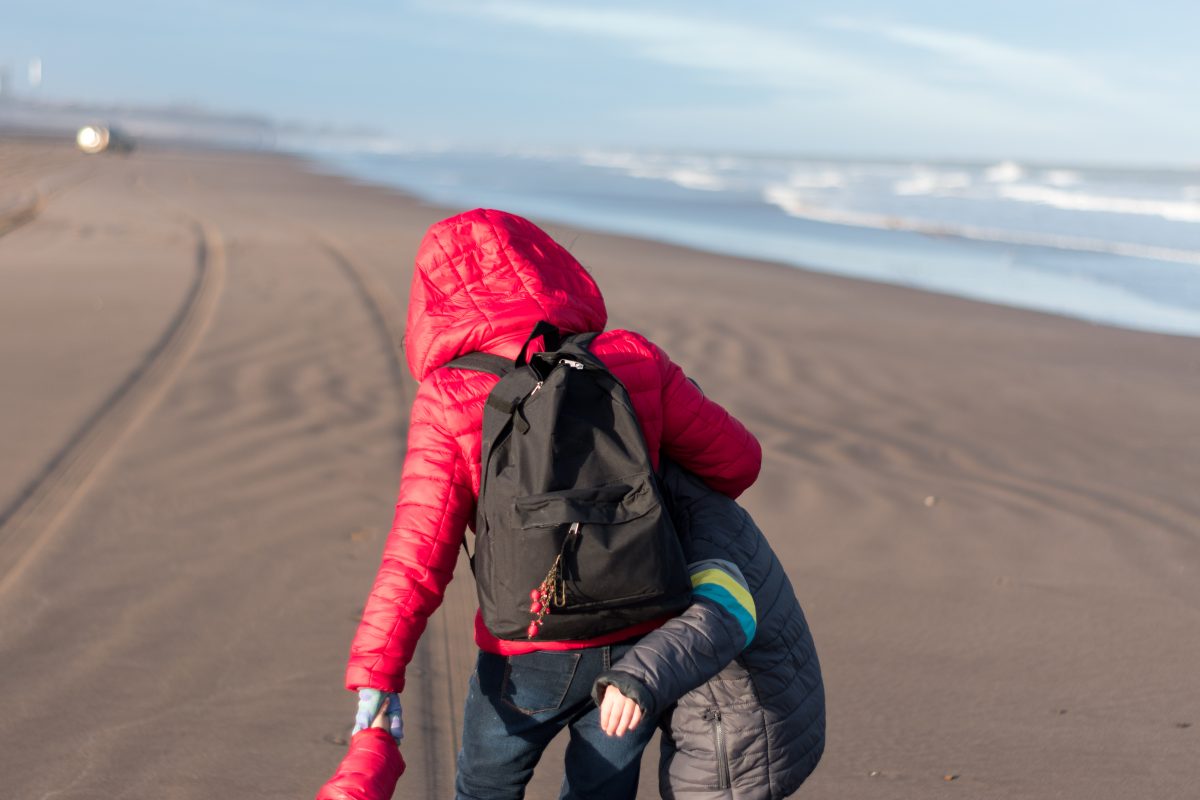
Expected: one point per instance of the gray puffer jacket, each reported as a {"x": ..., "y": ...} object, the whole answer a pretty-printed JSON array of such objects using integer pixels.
[{"x": 736, "y": 674}]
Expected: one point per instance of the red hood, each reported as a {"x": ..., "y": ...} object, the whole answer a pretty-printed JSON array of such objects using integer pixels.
[{"x": 483, "y": 279}]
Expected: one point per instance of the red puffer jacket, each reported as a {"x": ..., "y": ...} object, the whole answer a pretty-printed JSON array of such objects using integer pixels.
[{"x": 483, "y": 280}]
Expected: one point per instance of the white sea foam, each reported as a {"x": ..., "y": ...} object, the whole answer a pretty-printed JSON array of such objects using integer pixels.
[
  {"x": 611, "y": 159},
  {"x": 690, "y": 172},
  {"x": 1174, "y": 210},
  {"x": 817, "y": 179},
  {"x": 932, "y": 182},
  {"x": 1004, "y": 172},
  {"x": 727, "y": 163},
  {"x": 696, "y": 179},
  {"x": 1061, "y": 177},
  {"x": 796, "y": 204}
]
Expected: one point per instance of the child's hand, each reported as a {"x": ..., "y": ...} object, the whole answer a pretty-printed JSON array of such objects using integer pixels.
[
  {"x": 618, "y": 713},
  {"x": 378, "y": 709},
  {"x": 381, "y": 719}
]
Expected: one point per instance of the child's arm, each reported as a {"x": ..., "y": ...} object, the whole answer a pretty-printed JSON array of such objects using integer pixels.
[
  {"x": 684, "y": 652},
  {"x": 371, "y": 767}
]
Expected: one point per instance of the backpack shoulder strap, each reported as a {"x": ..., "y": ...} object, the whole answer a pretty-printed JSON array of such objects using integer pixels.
[
  {"x": 494, "y": 365},
  {"x": 483, "y": 362},
  {"x": 501, "y": 366}
]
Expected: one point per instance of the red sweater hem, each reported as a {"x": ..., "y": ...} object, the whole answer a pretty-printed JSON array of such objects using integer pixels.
[{"x": 503, "y": 647}]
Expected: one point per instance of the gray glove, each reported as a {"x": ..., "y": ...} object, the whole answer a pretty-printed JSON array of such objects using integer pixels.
[{"x": 370, "y": 701}]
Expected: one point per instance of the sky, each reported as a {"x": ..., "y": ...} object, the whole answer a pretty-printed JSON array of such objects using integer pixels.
[{"x": 1069, "y": 81}]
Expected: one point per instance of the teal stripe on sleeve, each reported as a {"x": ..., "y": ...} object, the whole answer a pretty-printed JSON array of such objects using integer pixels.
[{"x": 725, "y": 599}]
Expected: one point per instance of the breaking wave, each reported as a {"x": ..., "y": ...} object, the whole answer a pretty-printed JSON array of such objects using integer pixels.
[
  {"x": 796, "y": 204},
  {"x": 1173, "y": 210}
]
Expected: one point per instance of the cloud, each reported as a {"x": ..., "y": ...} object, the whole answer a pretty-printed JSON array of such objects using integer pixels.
[
  {"x": 834, "y": 81},
  {"x": 796, "y": 65},
  {"x": 1002, "y": 64},
  {"x": 761, "y": 55},
  {"x": 792, "y": 59},
  {"x": 731, "y": 51}
]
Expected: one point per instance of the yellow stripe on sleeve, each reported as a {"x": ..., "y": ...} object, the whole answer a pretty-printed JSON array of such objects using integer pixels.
[{"x": 723, "y": 579}]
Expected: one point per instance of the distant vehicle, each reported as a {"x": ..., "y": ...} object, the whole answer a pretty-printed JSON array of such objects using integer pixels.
[{"x": 94, "y": 139}]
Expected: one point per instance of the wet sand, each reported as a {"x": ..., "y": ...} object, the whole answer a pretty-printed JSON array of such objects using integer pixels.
[{"x": 990, "y": 515}]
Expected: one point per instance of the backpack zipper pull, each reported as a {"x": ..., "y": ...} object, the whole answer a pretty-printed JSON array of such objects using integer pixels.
[
  {"x": 542, "y": 596},
  {"x": 553, "y": 589}
]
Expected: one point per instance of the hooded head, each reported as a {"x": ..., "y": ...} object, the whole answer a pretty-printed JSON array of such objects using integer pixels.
[{"x": 483, "y": 280}]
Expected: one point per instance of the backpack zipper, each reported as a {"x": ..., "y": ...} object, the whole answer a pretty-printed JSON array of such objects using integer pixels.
[
  {"x": 566, "y": 362},
  {"x": 560, "y": 596},
  {"x": 714, "y": 716}
]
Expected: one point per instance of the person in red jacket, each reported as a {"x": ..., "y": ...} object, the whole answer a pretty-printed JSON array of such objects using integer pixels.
[{"x": 483, "y": 280}]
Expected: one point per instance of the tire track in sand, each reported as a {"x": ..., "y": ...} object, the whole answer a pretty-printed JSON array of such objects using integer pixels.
[
  {"x": 21, "y": 213},
  {"x": 31, "y": 520},
  {"x": 441, "y": 656},
  {"x": 444, "y": 654}
]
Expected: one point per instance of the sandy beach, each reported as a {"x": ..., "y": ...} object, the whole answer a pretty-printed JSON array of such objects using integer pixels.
[{"x": 991, "y": 516}]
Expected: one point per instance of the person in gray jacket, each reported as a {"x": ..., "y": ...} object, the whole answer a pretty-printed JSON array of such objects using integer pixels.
[{"x": 735, "y": 679}]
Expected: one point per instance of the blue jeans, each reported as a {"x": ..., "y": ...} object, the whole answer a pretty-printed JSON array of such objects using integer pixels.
[{"x": 516, "y": 705}]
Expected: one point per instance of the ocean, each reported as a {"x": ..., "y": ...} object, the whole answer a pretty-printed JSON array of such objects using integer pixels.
[{"x": 1112, "y": 246}]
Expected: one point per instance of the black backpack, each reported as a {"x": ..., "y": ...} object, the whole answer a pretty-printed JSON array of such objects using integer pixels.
[{"x": 572, "y": 538}]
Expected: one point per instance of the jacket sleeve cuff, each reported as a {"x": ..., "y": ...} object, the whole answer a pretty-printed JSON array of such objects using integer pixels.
[
  {"x": 361, "y": 678},
  {"x": 627, "y": 685}
]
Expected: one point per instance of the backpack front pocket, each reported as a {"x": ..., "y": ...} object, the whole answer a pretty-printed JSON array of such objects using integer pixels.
[{"x": 613, "y": 544}]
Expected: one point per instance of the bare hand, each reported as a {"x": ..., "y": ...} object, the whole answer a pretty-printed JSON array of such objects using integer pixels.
[
  {"x": 618, "y": 713},
  {"x": 381, "y": 719}
]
